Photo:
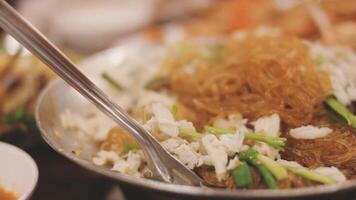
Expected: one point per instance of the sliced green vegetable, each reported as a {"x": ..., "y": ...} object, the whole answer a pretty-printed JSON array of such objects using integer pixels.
[
  {"x": 278, "y": 171},
  {"x": 184, "y": 48},
  {"x": 218, "y": 131},
  {"x": 311, "y": 175},
  {"x": 342, "y": 110},
  {"x": 156, "y": 82},
  {"x": 189, "y": 133},
  {"x": 267, "y": 176},
  {"x": 242, "y": 175},
  {"x": 129, "y": 147},
  {"x": 174, "y": 110},
  {"x": 319, "y": 59},
  {"x": 15, "y": 117},
  {"x": 112, "y": 81},
  {"x": 276, "y": 142},
  {"x": 21, "y": 116},
  {"x": 250, "y": 156}
]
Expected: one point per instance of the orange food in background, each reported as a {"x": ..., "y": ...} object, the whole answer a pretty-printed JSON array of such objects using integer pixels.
[{"x": 5, "y": 195}]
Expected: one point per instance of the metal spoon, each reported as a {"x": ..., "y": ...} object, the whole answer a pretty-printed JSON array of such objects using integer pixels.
[{"x": 164, "y": 166}]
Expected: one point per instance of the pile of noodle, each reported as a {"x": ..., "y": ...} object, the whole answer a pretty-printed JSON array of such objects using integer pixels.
[
  {"x": 258, "y": 76},
  {"x": 255, "y": 76}
]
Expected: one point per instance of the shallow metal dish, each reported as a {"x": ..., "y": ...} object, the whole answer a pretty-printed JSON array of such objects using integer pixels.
[{"x": 57, "y": 97}]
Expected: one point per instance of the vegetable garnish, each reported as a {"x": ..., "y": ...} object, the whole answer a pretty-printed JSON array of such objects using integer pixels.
[
  {"x": 311, "y": 175},
  {"x": 342, "y": 110},
  {"x": 21, "y": 116},
  {"x": 129, "y": 147},
  {"x": 15, "y": 117},
  {"x": 250, "y": 156},
  {"x": 174, "y": 110},
  {"x": 276, "y": 142},
  {"x": 156, "y": 82},
  {"x": 218, "y": 131},
  {"x": 242, "y": 175},
  {"x": 112, "y": 81},
  {"x": 189, "y": 133},
  {"x": 278, "y": 171}
]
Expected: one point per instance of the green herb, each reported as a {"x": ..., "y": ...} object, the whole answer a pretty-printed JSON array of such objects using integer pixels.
[
  {"x": 218, "y": 131},
  {"x": 276, "y": 142},
  {"x": 215, "y": 52},
  {"x": 278, "y": 171},
  {"x": 184, "y": 48},
  {"x": 342, "y": 110},
  {"x": 174, "y": 110},
  {"x": 267, "y": 176},
  {"x": 129, "y": 147},
  {"x": 112, "y": 81},
  {"x": 319, "y": 60},
  {"x": 156, "y": 82},
  {"x": 15, "y": 117},
  {"x": 250, "y": 156},
  {"x": 242, "y": 175},
  {"x": 311, "y": 175},
  {"x": 189, "y": 133},
  {"x": 21, "y": 116}
]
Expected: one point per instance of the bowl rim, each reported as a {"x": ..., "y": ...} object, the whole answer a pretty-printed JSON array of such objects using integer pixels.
[
  {"x": 33, "y": 166},
  {"x": 171, "y": 188}
]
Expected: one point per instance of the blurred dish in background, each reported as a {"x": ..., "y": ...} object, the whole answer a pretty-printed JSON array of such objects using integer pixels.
[
  {"x": 327, "y": 20},
  {"x": 22, "y": 77},
  {"x": 91, "y": 25}
]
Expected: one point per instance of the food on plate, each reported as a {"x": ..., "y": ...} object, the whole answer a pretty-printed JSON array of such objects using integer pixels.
[
  {"x": 22, "y": 77},
  {"x": 6, "y": 195},
  {"x": 250, "y": 111}
]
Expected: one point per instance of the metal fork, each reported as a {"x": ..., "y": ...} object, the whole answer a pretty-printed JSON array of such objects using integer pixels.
[{"x": 164, "y": 166}]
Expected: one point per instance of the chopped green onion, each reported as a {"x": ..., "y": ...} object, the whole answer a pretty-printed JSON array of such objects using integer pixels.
[
  {"x": 189, "y": 133},
  {"x": 267, "y": 176},
  {"x": 218, "y": 131},
  {"x": 174, "y": 110},
  {"x": 311, "y": 175},
  {"x": 129, "y": 147},
  {"x": 319, "y": 60},
  {"x": 250, "y": 156},
  {"x": 278, "y": 171},
  {"x": 276, "y": 142},
  {"x": 156, "y": 82},
  {"x": 242, "y": 175},
  {"x": 112, "y": 81},
  {"x": 342, "y": 110}
]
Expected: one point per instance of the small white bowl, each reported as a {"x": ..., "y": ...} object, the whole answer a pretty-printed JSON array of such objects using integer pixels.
[{"x": 18, "y": 171}]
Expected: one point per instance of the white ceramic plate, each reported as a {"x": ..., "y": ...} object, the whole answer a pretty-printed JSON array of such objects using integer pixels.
[{"x": 18, "y": 171}]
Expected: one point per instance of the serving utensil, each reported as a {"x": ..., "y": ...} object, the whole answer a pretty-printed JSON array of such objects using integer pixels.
[{"x": 163, "y": 166}]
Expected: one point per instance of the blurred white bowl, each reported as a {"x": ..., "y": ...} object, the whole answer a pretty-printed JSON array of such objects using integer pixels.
[{"x": 18, "y": 171}]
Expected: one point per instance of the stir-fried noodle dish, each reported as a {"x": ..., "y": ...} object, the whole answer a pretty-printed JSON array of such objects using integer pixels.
[{"x": 254, "y": 110}]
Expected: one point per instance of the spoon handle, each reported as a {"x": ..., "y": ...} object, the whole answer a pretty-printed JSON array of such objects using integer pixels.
[{"x": 15, "y": 25}]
